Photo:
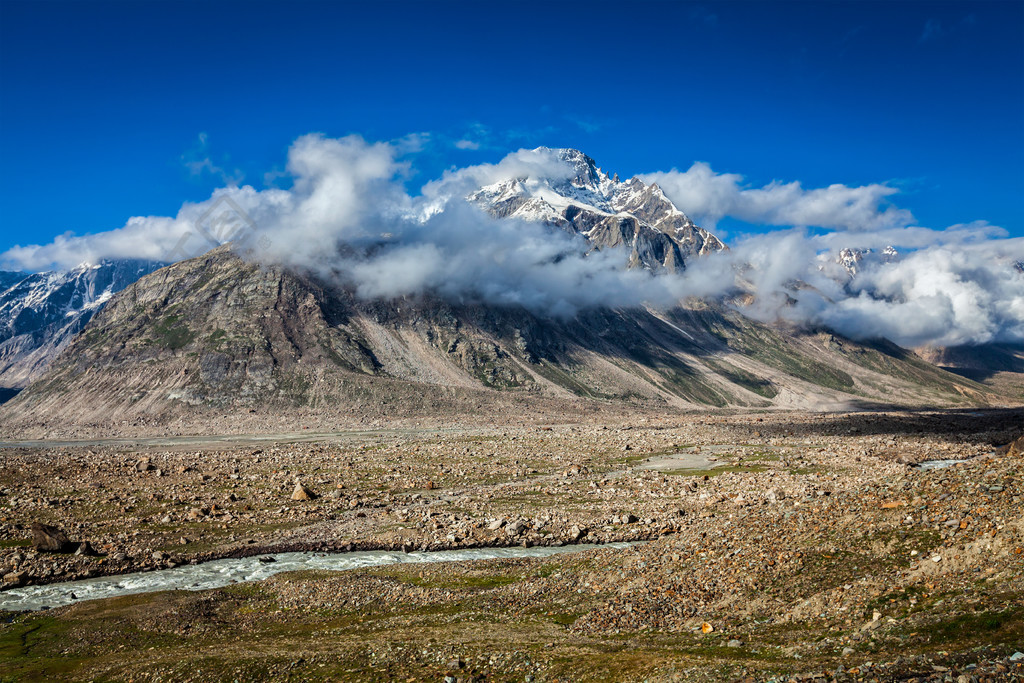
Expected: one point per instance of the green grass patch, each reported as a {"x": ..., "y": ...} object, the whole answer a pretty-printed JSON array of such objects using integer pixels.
[
  {"x": 172, "y": 334},
  {"x": 987, "y": 627}
]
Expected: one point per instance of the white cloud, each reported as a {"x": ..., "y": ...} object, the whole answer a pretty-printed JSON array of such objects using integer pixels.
[
  {"x": 708, "y": 197},
  {"x": 348, "y": 218},
  {"x": 467, "y": 144},
  {"x": 939, "y": 296}
]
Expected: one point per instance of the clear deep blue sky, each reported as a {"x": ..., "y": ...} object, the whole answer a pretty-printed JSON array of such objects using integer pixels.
[{"x": 103, "y": 103}]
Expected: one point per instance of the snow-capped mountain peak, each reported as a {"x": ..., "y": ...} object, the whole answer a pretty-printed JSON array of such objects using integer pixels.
[
  {"x": 40, "y": 312},
  {"x": 605, "y": 210},
  {"x": 854, "y": 260}
]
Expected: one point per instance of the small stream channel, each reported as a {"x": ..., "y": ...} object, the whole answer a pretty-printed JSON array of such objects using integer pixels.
[{"x": 223, "y": 572}]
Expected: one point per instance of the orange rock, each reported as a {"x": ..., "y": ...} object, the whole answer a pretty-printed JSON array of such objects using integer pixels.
[{"x": 706, "y": 628}]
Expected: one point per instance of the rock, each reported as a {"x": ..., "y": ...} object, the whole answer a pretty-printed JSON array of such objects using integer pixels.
[
  {"x": 628, "y": 519},
  {"x": 159, "y": 556},
  {"x": 302, "y": 493},
  {"x": 15, "y": 578},
  {"x": 267, "y": 559},
  {"x": 47, "y": 538},
  {"x": 847, "y": 651},
  {"x": 496, "y": 524},
  {"x": 1017, "y": 656},
  {"x": 706, "y": 628},
  {"x": 85, "y": 549},
  {"x": 735, "y": 643}
]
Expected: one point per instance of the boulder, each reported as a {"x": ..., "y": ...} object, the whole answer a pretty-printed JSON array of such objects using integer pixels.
[
  {"x": 302, "y": 493},
  {"x": 15, "y": 578},
  {"x": 85, "y": 549},
  {"x": 48, "y": 538}
]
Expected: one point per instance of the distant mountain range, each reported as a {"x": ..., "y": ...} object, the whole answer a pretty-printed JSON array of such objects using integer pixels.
[
  {"x": 122, "y": 341},
  {"x": 41, "y": 312}
]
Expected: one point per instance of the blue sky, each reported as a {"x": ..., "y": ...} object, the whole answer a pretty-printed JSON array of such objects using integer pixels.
[{"x": 111, "y": 110}]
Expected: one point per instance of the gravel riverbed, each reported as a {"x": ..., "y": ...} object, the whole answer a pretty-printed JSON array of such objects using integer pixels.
[{"x": 781, "y": 545}]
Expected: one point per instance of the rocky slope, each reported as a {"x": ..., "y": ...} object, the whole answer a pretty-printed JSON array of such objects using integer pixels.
[
  {"x": 41, "y": 312},
  {"x": 216, "y": 334},
  {"x": 787, "y": 547}
]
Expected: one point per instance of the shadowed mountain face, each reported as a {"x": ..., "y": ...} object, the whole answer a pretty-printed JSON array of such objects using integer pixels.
[
  {"x": 41, "y": 312},
  {"x": 978, "y": 362},
  {"x": 216, "y": 332},
  {"x": 999, "y": 366}
]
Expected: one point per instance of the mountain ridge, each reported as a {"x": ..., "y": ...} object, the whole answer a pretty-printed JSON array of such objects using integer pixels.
[
  {"x": 216, "y": 333},
  {"x": 41, "y": 312}
]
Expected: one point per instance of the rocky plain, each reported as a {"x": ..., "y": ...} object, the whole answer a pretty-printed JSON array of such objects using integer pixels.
[{"x": 769, "y": 545}]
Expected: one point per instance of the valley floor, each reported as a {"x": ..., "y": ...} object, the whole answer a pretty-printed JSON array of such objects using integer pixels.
[{"x": 778, "y": 545}]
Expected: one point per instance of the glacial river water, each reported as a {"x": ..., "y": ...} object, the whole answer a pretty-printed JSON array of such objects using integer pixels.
[{"x": 217, "y": 573}]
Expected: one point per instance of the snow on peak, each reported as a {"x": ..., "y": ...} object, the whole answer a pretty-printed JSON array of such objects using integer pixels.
[
  {"x": 854, "y": 259},
  {"x": 586, "y": 187},
  {"x": 573, "y": 193}
]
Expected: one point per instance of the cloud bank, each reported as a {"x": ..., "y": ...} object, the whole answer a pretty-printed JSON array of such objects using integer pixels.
[
  {"x": 348, "y": 217},
  {"x": 710, "y": 196}
]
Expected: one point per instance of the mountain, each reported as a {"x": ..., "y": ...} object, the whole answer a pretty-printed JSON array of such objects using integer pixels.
[
  {"x": 604, "y": 210},
  {"x": 999, "y": 366},
  {"x": 41, "y": 312},
  {"x": 247, "y": 345},
  {"x": 854, "y": 260},
  {"x": 218, "y": 337},
  {"x": 10, "y": 278}
]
